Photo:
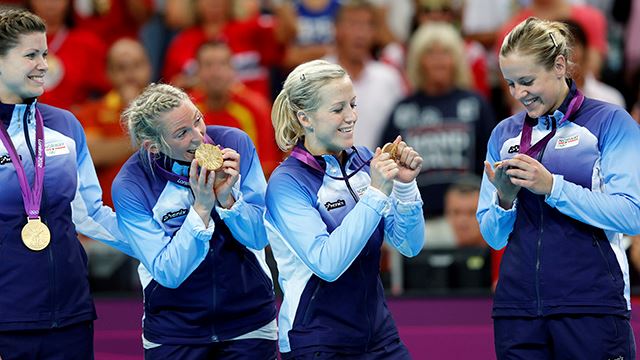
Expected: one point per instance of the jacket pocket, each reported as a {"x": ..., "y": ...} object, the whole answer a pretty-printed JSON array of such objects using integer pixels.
[
  {"x": 597, "y": 244},
  {"x": 149, "y": 297}
]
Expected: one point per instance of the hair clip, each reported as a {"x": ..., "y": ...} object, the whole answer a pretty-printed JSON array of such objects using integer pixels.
[
  {"x": 553, "y": 40},
  {"x": 302, "y": 77}
]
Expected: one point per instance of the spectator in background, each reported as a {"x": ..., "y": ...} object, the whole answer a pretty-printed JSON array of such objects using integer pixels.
[
  {"x": 378, "y": 85},
  {"x": 481, "y": 19},
  {"x": 129, "y": 72},
  {"x": 113, "y": 19},
  {"x": 312, "y": 22},
  {"x": 252, "y": 41},
  {"x": 77, "y": 57},
  {"x": 225, "y": 101},
  {"x": 458, "y": 227},
  {"x": 583, "y": 75},
  {"x": 449, "y": 11},
  {"x": 447, "y": 123}
]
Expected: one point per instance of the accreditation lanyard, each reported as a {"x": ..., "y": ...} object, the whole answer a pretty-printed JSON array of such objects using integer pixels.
[
  {"x": 527, "y": 129},
  {"x": 173, "y": 177},
  {"x": 31, "y": 196}
]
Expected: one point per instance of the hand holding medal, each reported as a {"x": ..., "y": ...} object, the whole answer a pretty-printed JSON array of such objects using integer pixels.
[{"x": 408, "y": 160}]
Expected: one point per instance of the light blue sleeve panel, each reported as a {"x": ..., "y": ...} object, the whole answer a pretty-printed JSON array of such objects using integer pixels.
[
  {"x": 291, "y": 211},
  {"x": 245, "y": 217},
  {"x": 169, "y": 259},
  {"x": 89, "y": 215},
  {"x": 617, "y": 206},
  {"x": 404, "y": 224},
  {"x": 495, "y": 222}
]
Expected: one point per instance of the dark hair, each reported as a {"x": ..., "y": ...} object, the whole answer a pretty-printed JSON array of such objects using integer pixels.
[
  {"x": 213, "y": 44},
  {"x": 15, "y": 22},
  {"x": 466, "y": 184},
  {"x": 69, "y": 16},
  {"x": 577, "y": 33},
  {"x": 347, "y": 5}
]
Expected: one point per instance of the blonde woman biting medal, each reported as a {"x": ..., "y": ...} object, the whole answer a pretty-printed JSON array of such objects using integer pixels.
[
  {"x": 191, "y": 201},
  {"x": 49, "y": 193}
]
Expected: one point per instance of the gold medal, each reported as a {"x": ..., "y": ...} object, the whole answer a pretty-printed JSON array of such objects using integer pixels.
[
  {"x": 209, "y": 156},
  {"x": 391, "y": 149},
  {"x": 35, "y": 234}
]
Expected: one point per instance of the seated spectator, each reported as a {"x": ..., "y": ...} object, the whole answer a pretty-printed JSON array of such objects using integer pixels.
[
  {"x": 312, "y": 23},
  {"x": 449, "y": 11},
  {"x": 76, "y": 59},
  {"x": 583, "y": 75},
  {"x": 458, "y": 227},
  {"x": 447, "y": 123},
  {"x": 225, "y": 101},
  {"x": 252, "y": 41},
  {"x": 129, "y": 72},
  {"x": 114, "y": 19}
]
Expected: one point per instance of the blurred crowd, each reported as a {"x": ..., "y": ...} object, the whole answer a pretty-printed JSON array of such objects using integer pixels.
[{"x": 424, "y": 69}]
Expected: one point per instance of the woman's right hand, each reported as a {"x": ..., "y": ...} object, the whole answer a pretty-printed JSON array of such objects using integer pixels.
[
  {"x": 383, "y": 170},
  {"x": 507, "y": 192},
  {"x": 202, "y": 186}
]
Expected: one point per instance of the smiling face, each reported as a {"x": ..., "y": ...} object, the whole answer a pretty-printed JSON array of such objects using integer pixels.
[
  {"x": 540, "y": 90},
  {"x": 22, "y": 69},
  {"x": 183, "y": 129},
  {"x": 334, "y": 120}
]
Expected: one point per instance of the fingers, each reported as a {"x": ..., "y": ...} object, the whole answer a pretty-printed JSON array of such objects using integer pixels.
[
  {"x": 398, "y": 140},
  {"x": 193, "y": 172},
  {"x": 489, "y": 170}
]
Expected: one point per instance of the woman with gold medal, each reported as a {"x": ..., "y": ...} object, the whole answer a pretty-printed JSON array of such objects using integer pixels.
[
  {"x": 190, "y": 202},
  {"x": 49, "y": 193}
]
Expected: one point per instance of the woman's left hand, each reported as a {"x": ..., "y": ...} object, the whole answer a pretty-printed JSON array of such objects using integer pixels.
[
  {"x": 409, "y": 162},
  {"x": 529, "y": 173},
  {"x": 226, "y": 177}
]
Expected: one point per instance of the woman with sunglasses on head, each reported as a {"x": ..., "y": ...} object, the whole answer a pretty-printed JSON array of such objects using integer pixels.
[
  {"x": 561, "y": 186},
  {"x": 49, "y": 193},
  {"x": 195, "y": 224},
  {"x": 329, "y": 207}
]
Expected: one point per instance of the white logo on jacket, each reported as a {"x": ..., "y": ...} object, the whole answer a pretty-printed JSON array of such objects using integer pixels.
[
  {"x": 56, "y": 148},
  {"x": 568, "y": 142}
]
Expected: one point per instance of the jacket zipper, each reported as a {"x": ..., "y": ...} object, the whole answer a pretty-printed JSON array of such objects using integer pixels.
[
  {"x": 362, "y": 272},
  {"x": 541, "y": 233},
  {"x": 538, "y": 246},
  {"x": 596, "y": 243},
  {"x": 214, "y": 295}
]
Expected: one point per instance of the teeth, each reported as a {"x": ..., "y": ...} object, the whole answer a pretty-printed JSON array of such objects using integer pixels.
[
  {"x": 529, "y": 102},
  {"x": 346, "y": 130}
]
